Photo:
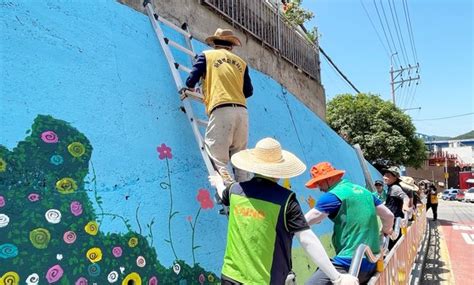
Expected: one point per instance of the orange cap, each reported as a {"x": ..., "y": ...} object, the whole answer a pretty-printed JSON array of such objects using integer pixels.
[{"x": 321, "y": 171}]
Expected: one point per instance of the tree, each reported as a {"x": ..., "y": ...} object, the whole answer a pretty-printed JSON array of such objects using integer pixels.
[
  {"x": 296, "y": 14},
  {"x": 384, "y": 132}
]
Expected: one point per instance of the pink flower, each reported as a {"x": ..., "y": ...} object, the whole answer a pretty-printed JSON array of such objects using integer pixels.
[
  {"x": 49, "y": 137},
  {"x": 76, "y": 208},
  {"x": 165, "y": 151},
  {"x": 33, "y": 197},
  {"x": 153, "y": 281},
  {"x": 69, "y": 237},
  {"x": 117, "y": 251},
  {"x": 81, "y": 281},
  {"x": 189, "y": 218},
  {"x": 2, "y": 201},
  {"x": 54, "y": 274},
  {"x": 204, "y": 199},
  {"x": 202, "y": 278}
]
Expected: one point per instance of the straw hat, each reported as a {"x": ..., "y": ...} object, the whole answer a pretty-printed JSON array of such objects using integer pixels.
[
  {"x": 268, "y": 159},
  {"x": 408, "y": 183},
  {"x": 223, "y": 35},
  {"x": 322, "y": 171}
]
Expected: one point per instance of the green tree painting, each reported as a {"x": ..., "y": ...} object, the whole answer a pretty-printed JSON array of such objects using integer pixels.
[{"x": 49, "y": 231}]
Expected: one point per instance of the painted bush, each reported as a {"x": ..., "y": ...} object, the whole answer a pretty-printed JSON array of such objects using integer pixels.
[{"x": 50, "y": 232}]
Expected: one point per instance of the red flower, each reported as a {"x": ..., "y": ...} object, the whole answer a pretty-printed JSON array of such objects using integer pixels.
[
  {"x": 165, "y": 151},
  {"x": 189, "y": 218},
  {"x": 204, "y": 198}
]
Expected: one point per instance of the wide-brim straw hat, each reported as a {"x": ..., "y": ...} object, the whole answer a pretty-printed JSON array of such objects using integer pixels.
[
  {"x": 322, "y": 171},
  {"x": 269, "y": 159},
  {"x": 408, "y": 183},
  {"x": 224, "y": 35}
]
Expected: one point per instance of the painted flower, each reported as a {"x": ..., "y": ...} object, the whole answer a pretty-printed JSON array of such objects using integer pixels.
[
  {"x": 76, "y": 149},
  {"x": 189, "y": 218},
  {"x": 132, "y": 278},
  {"x": 3, "y": 165},
  {"x": 34, "y": 197},
  {"x": 211, "y": 278},
  {"x": 176, "y": 268},
  {"x": 311, "y": 202},
  {"x": 204, "y": 198},
  {"x": 113, "y": 277},
  {"x": 4, "y": 220},
  {"x": 49, "y": 137},
  {"x": 59, "y": 256},
  {"x": 153, "y": 281},
  {"x": 56, "y": 159},
  {"x": 66, "y": 185},
  {"x": 10, "y": 277},
  {"x": 202, "y": 278},
  {"x": 117, "y": 251},
  {"x": 92, "y": 228},
  {"x": 141, "y": 262},
  {"x": 133, "y": 242},
  {"x": 69, "y": 237},
  {"x": 8, "y": 250},
  {"x": 94, "y": 254},
  {"x": 32, "y": 279},
  {"x": 2, "y": 201},
  {"x": 54, "y": 273},
  {"x": 76, "y": 208},
  {"x": 53, "y": 216},
  {"x": 93, "y": 270},
  {"x": 164, "y": 151},
  {"x": 40, "y": 238},
  {"x": 81, "y": 281}
]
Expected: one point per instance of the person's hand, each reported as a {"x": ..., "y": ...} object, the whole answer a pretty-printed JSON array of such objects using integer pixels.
[
  {"x": 388, "y": 233},
  {"x": 346, "y": 279},
  {"x": 217, "y": 182}
]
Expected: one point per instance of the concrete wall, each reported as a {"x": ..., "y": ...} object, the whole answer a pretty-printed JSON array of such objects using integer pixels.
[
  {"x": 100, "y": 178},
  {"x": 204, "y": 22}
]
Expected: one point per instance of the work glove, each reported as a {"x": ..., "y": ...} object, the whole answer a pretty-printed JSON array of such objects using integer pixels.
[
  {"x": 217, "y": 182},
  {"x": 346, "y": 279}
]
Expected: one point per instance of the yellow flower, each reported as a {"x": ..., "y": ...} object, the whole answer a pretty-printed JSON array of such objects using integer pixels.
[
  {"x": 133, "y": 242},
  {"x": 211, "y": 278},
  {"x": 137, "y": 280},
  {"x": 92, "y": 228},
  {"x": 66, "y": 185},
  {"x": 3, "y": 165},
  {"x": 10, "y": 277},
  {"x": 311, "y": 202},
  {"x": 76, "y": 149},
  {"x": 94, "y": 254}
]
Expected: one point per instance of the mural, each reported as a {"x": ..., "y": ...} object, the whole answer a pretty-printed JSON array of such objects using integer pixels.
[
  {"x": 108, "y": 182},
  {"x": 50, "y": 219}
]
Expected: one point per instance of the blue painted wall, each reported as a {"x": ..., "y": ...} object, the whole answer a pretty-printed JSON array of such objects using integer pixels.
[{"x": 98, "y": 66}]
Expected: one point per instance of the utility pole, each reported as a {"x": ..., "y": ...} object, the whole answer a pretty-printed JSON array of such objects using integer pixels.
[{"x": 395, "y": 74}]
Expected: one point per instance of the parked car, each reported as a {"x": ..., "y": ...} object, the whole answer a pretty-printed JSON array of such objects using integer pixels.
[
  {"x": 449, "y": 194},
  {"x": 460, "y": 195},
  {"x": 469, "y": 195}
]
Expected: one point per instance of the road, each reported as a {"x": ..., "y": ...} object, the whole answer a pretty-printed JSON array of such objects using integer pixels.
[{"x": 450, "y": 256}]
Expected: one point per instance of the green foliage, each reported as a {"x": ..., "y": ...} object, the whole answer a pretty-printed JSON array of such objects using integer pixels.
[
  {"x": 30, "y": 243},
  {"x": 384, "y": 132},
  {"x": 297, "y": 15},
  {"x": 468, "y": 135}
]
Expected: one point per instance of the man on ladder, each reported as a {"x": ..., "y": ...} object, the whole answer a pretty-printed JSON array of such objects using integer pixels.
[{"x": 226, "y": 85}]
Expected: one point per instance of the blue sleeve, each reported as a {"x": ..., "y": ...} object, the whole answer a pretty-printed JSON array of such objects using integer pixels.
[
  {"x": 198, "y": 70},
  {"x": 248, "y": 88},
  {"x": 377, "y": 201},
  {"x": 329, "y": 204}
]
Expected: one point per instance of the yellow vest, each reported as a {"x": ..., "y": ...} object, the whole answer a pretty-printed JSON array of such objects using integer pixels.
[{"x": 224, "y": 79}]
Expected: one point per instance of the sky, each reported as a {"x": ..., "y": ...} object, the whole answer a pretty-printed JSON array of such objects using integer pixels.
[{"x": 443, "y": 37}]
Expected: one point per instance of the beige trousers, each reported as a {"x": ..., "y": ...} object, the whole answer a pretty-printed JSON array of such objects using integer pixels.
[{"x": 226, "y": 134}]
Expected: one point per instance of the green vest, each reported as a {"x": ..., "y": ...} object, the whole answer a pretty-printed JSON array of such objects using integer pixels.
[{"x": 356, "y": 221}]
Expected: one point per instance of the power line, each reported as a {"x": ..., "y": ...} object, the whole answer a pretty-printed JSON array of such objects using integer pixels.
[
  {"x": 389, "y": 30},
  {"x": 410, "y": 29},
  {"x": 443, "y": 118},
  {"x": 338, "y": 70},
  {"x": 396, "y": 23},
  {"x": 383, "y": 28},
  {"x": 373, "y": 26}
]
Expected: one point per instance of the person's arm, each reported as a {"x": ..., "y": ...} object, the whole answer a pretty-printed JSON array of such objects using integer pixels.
[
  {"x": 314, "y": 216},
  {"x": 248, "y": 88},
  {"x": 398, "y": 192},
  {"x": 198, "y": 71},
  {"x": 315, "y": 250},
  {"x": 387, "y": 218}
]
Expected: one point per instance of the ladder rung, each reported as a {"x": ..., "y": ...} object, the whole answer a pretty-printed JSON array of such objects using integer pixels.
[
  {"x": 202, "y": 122},
  {"x": 182, "y": 67},
  {"x": 193, "y": 95},
  {"x": 180, "y": 47},
  {"x": 173, "y": 26}
]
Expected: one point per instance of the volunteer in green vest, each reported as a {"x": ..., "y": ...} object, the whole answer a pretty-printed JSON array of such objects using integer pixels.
[
  {"x": 263, "y": 219},
  {"x": 380, "y": 193},
  {"x": 226, "y": 84},
  {"x": 353, "y": 210}
]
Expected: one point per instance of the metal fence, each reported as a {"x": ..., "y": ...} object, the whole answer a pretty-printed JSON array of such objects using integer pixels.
[{"x": 263, "y": 21}]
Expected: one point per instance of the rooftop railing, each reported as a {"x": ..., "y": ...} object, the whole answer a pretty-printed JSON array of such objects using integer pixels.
[{"x": 264, "y": 21}]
